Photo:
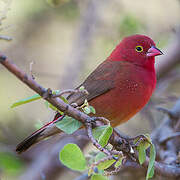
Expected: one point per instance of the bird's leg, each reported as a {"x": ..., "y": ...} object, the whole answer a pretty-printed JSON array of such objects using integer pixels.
[
  {"x": 123, "y": 142},
  {"x": 92, "y": 121},
  {"x": 127, "y": 144}
]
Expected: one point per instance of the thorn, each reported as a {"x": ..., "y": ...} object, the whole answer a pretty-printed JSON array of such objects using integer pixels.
[
  {"x": 30, "y": 68},
  {"x": 131, "y": 150}
]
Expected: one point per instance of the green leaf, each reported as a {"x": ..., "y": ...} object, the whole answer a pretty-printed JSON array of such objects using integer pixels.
[
  {"x": 48, "y": 105},
  {"x": 52, "y": 107},
  {"x": 146, "y": 143},
  {"x": 86, "y": 110},
  {"x": 34, "y": 98},
  {"x": 9, "y": 163},
  {"x": 143, "y": 145},
  {"x": 92, "y": 109},
  {"x": 26, "y": 100},
  {"x": 82, "y": 88},
  {"x": 72, "y": 157},
  {"x": 98, "y": 131},
  {"x": 105, "y": 164},
  {"x": 142, "y": 153},
  {"x": 104, "y": 138},
  {"x": 98, "y": 177},
  {"x": 150, "y": 171},
  {"x": 99, "y": 156},
  {"x": 64, "y": 99},
  {"x": 119, "y": 162},
  {"x": 68, "y": 124}
]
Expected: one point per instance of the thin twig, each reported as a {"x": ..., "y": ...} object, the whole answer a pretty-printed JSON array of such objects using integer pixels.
[
  {"x": 30, "y": 69},
  {"x": 168, "y": 112},
  {"x": 70, "y": 91},
  {"x": 165, "y": 139},
  {"x": 88, "y": 126}
]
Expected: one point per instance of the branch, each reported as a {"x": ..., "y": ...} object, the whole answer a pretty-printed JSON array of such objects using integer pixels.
[
  {"x": 169, "y": 137},
  {"x": 163, "y": 169},
  {"x": 171, "y": 57},
  {"x": 7, "y": 38},
  {"x": 31, "y": 83}
]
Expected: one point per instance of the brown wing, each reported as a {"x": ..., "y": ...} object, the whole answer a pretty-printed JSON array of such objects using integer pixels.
[{"x": 97, "y": 83}]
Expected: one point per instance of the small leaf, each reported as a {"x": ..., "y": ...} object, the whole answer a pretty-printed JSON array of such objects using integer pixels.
[
  {"x": 150, "y": 171},
  {"x": 54, "y": 108},
  {"x": 86, "y": 110},
  {"x": 34, "y": 98},
  {"x": 68, "y": 124},
  {"x": 64, "y": 99},
  {"x": 143, "y": 145},
  {"x": 98, "y": 131},
  {"x": 98, "y": 177},
  {"x": 99, "y": 156},
  {"x": 72, "y": 157},
  {"x": 105, "y": 164},
  {"x": 104, "y": 138},
  {"x": 26, "y": 100},
  {"x": 119, "y": 162},
  {"x": 142, "y": 153},
  {"x": 82, "y": 88},
  {"x": 90, "y": 171},
  {"x": 92, "y": 109},
  {"x": 146, "y": 143}
]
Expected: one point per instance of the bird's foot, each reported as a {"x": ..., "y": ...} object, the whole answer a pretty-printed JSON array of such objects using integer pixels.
[
  {"x": 97, "y": 121},
  {"x": 128, "y": 145},
  {"x": 91, "y": 121}
]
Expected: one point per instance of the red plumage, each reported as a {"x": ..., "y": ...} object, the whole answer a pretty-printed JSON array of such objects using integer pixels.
[{"x": 118, "y": 88}]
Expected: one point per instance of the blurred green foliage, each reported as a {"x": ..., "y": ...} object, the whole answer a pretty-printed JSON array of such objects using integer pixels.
[
  {"x": 10, "y": 164},
  {"x": 129, "y": 25}
]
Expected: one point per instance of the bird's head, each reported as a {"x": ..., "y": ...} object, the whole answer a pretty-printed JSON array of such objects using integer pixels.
[{"x": 137, "y": 49}]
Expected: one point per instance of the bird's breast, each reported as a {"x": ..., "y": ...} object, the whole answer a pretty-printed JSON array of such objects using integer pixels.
[{"x": 130, "y": 94}]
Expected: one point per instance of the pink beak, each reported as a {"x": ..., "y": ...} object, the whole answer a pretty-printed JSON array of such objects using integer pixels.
[{"x": 154, "y": 51}]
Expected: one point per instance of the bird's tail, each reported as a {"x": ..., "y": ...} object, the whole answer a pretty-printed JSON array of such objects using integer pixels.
[{"x": 47, "y": 130}]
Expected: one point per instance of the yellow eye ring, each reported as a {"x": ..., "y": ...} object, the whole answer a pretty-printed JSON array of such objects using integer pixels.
[{"x": 139, "y": 48}]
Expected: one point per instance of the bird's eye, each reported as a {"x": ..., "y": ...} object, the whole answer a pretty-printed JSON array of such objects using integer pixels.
[{"x": 139, "y": 48}]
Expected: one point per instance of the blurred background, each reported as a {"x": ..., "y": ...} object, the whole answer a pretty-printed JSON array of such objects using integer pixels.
[{"x": 66, "y": 40}]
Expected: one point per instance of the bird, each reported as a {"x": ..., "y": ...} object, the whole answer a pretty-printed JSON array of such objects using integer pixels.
[{"x": 118, "y": 88}]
